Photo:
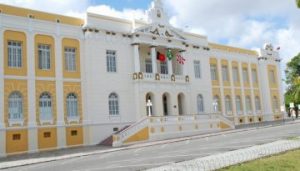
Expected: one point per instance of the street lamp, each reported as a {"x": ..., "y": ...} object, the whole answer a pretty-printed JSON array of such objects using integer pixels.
[{"x": 149, "y": 105}]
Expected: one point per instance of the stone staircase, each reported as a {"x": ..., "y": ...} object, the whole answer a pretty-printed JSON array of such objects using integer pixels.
[{"x": 167, "y": 127}]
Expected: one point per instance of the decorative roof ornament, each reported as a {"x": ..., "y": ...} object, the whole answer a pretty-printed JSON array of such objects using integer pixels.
[{"x": 156, "y": 13}]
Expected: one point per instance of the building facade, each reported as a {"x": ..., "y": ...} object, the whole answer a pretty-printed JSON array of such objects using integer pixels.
[{"x": 67, "y": 82}]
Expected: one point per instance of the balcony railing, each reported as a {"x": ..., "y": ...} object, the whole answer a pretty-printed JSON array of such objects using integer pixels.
[{"x": 161, "y": 77}]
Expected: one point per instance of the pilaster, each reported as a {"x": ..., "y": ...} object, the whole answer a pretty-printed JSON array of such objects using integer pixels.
[
  {"x": 252, "y": 89},
  {"x": 153, "y": 59},
  {"x": 136, "y": 54},
  {"x": 222, "y": 99},
  {"x": 243, "y": 98}
]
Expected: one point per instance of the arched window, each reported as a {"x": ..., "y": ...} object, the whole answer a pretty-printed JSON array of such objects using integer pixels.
[
  {"x": 248, "y": 104},
  {"x": 257, "y": 104},
  {"x": 238, "y": 104},
  {"x": 45, "y": 106},
  {"x": 72, "y": 105},
  {"x": 200, "y": 103},
  {"x": 228, "y": 104},
  {"x": 15, "y": 106},
  {"x": 217, "y": 104},
  {"x": 113, "y": 103},
  {"x": 275, "y": 104}
]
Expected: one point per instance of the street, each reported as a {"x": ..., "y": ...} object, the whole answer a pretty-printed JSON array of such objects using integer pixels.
[{"x": 154, "y": 156}]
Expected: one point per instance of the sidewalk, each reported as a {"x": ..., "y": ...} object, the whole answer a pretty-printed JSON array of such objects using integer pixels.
[{"x": 42, "y": 157}]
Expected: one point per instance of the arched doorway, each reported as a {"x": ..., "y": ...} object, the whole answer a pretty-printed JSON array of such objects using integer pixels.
[
  {"x": 181, "y": 104},
  {"x": 149, "y": 98},
  {"x": 166, "y": 104}
]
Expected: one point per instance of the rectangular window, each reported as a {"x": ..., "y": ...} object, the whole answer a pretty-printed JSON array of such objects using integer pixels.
[
  {"x": 70, "y": 59},
  {"x": 74, "y": 133},
  {"x": 164, "y": 68},
  {"x": 254, "y": 76},
  {"x": 213, "y": 72},
  {"x": 47, "y": 134},
  {"x": 245, "y": 75},
  {"x": 197, "y": 69},
  {"x": 225, "y": 73},
  {"x": 148, "y": 64},
  {"x": 14, "y": 54},
  {"x": 272, "y": 76},
  {"x": 44, "y": 56},
  {"x": 16, "y": 137},
  {"x": 111, "y": 61},
  {"x": 235, "y": 74}
]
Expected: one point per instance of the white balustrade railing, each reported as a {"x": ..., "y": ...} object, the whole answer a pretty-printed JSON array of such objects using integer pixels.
[
  {"x": 149, "y": 76},
  {"x": 180, "y": 78},
  {"x": 131, "y": 130},
  {"x": 165, "y": 77}
]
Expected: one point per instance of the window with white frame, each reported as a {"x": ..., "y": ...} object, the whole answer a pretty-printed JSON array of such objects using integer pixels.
[
  {"x": 213, "y": 72},
  {"x": 15, "y": 106},
  {"x": 197, "y": 69},
  {"x": 272, "y": 76},
  {"x": 275, "y": 104},
  {"x": 254, "y": 76},
  {"x": 217, "y": 103},
  {"x": 235, "y": 74},
  {"x": 225, "y": 73},
  {"x": 200, "y": 103},
  {"x": 45, "y": 106},
  {"x": 44, "y": 56},
  {"x": 72, "y": 105},
  {"x": 245, "y": 75},
  {"x": 228, "y": 106},
  {"x": 248, "y": 104},
  {"x": 111, "y": 61},
  {"x": 148, "y": 65},
  {"x": 257, "y": 103},
  {"x": 14, "y": 54},
  {"x": 70, "y": 59},
  {"x": 164, "y": 68},
  {"x": 113, "y": 103},
  {"x": 238, "y": 104}
]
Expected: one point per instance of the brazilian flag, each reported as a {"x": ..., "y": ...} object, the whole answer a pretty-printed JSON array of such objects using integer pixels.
[{"x": 169, "y": 54}]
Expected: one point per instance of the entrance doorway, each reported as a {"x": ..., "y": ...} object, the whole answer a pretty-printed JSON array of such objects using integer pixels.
[
  {"x": 166, "y": 104},
  {"x": 181, "y": 104}
]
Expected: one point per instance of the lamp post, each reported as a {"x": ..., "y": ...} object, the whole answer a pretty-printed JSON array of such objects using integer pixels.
[{"x": 149, "y": 105}]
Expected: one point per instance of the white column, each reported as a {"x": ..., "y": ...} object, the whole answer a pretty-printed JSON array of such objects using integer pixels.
[
  {"x": 1, "y": 78},
  {"x": 242, "y": 88},
  {"x": 2, "y": 130},
  {"x": 136, "y": 54},
  {"x": 153, "y": 59},
  {"x": 170, "y": 67},
  {"x": 32, "y": 131},
  {"x": 234, "y": 112},
  {"x": 222, "y": 99},
  {"x": 251, "y": 89},
  {"x": 61, "y": 132}
]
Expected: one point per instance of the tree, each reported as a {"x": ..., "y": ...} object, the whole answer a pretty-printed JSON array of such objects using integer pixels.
[
  {"x": 293, "y": 80},
  {"x": 298, "y": 3}
]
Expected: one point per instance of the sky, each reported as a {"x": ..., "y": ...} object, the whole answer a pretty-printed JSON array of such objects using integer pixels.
[{"x": 246, "y": 24}]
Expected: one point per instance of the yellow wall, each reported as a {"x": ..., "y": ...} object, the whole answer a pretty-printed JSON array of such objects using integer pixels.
[
  {"x": 254, "y": 67},
  {"x": 71, "y": 43},
  {"x": 22, "y": 12},
  {"x": 46, "y": 40},
  {"x": 238, "y": 92},
  {"x": 74, "y": 140},
  {"x": 232, "y": 49},
  {"x": 15, "y": 36},
  {"x": 11, "y": 86},
  {"x": 16, "y": 146},
  {"x": 235, "y": 64},
  {"x": 49, "y": 87},
  {"x": 73, "y": 87},
  {"x": 142, "y": 135},
  {"x": 245, "y": 67},
  {"x": 47, "y": 142}
]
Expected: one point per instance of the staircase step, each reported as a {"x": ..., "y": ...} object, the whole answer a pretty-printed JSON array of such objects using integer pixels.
[{"x": 109, "y": 140}]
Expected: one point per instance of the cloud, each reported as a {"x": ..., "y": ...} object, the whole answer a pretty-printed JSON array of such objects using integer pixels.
[{"x": 125, "y": 13}]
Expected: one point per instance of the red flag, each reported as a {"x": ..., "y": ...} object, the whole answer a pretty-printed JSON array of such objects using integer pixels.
[
  {"x": 180, "y": 59},
  {"x": 161, "y": 57}
]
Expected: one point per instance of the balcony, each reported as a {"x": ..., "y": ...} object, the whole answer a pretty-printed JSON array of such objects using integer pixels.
[{"x": 165, "y": 78}]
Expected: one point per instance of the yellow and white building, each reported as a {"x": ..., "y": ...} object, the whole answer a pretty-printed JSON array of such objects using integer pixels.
[{"x": 68, "y": 82}]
